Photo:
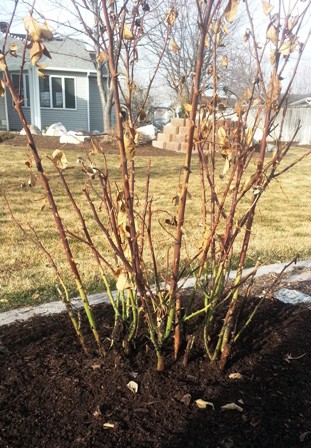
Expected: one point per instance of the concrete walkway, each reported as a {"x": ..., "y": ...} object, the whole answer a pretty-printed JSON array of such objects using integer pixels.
[{"x": 283, "y": 294}]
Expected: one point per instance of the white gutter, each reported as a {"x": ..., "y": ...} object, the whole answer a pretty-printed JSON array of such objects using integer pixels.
[{"x": 303, "y": 100}]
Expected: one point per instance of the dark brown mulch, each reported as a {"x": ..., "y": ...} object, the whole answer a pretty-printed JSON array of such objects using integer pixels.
[
  {"x": 46, "y": 142},
  {"x": 51, "y": 395}
]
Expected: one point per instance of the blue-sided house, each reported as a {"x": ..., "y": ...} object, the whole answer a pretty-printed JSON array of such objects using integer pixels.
[{"x": 68, "y": 95}]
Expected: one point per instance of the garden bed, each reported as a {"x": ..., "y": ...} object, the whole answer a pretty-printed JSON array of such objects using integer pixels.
[{"x": 52, "y": 395}]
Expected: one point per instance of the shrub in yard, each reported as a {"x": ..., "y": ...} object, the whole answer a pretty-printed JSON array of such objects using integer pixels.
[{"x": 235, "y": 171}]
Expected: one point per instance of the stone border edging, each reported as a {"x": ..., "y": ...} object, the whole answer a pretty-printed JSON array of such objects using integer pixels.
[{"x": 25, "y": 313}]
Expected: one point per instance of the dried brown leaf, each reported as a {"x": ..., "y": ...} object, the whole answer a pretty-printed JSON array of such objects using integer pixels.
[
  {"x": 41, "y": 74},
  {"x": 171, "y": 16},
  {"x": 249, "y": 136},
  {"x": 224, "y": 62},
  {"x": 231, "y": 10},
  {"x": 36, "y": 52},
  {"x": 123, "y": 281},
  {"x": 272, "y": 34},
  {"x": 36, "y": 31},
  {"x": 133, "y": 386},
  {"x": 102, "y": 56},
  {"x": 202, "y": 404},
  {"x": 288, "y": 46},
  {"x": 129, "y": 145},
  {"x": 46, "y": 33},
  {"x": 175, "y": 47},
  {"x": 2, "y": 62},
  {"x": 267, "y": 7},
  {"x": 127, "y": 33},
  {"x": 292, "y": 22},
  {"x": 232, "y": 407},
  {"x": 59, "y": 158},
  {"x": 2, "y": 88},
  {"x": 187, "y": 107},
  {"x": 274, "y": 89}
]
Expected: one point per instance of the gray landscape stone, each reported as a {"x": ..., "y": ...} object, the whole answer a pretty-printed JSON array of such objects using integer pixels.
[
  {"x": 33, "y": 129},
  {"x": 292, "y": 296},
  {"x": 74, "y": 138},
  {"x": 285, "y": 295},
  {"x": 56, "y": 130}
]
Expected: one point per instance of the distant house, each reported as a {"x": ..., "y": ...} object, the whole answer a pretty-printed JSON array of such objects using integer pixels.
[{"x": 68, "y": 95}]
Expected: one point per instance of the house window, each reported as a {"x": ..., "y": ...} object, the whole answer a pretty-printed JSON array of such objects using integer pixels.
[
  {"x": 24, "y": 88},
  {"x": 57, "y": 92}
]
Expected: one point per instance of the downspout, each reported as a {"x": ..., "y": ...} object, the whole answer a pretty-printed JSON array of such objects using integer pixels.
[
  {"x": 6, "y": 113},
  {"x": 35, "y": 111},
  {"x": 88, "y": 103}
]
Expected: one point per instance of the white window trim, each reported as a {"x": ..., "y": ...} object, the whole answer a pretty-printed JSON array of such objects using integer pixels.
[
  {"x": 26, "y": 98},
  {"x": 63, "y": 91}
]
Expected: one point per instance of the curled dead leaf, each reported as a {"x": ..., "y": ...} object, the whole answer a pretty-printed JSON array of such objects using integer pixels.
[
  {"x": 171, "y": 16},
  {"x": 2, "y": 62},
  {"x": 175, "y": 47},
  {"x": 231, "y": 10},
  {"x": 59, "y": 158},
  {"x": 130, "y": 146},
  {"x": 202, "y": 404},
  {"x": 13, "y": 49},
  {"x": 127, "y": 33},
  {"x": 42, "y": 75},
  {"x": 267, "y": 7},
  {"x": 232, "y": 407},
  {"x": 123, "y": 280},
  {"x": 36, "y": 31},
  {"x": 32, "y": 181},
  {"x": 108, "y": 425},
  {"x": 224, "y": 62},
  {"x": 274, "y": 89},
  {"x": 272, "y": 34},
  {"x": 288, "y": 46},
  {"x": 102, "y": 56},
  {"x": 292, "y": 22},
  {"x": 187, "y": 107},
  {"x": 2, "y": 88},
  {"x": 235, "y": 376},
  {"x": 133, "y": 386},
  {"x": 249, "y": 136}
]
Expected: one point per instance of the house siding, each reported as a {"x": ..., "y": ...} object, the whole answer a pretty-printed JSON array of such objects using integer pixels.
[
  {"x": 73, "y": 120},
  {"x": 96, "y": 110},
  {"x": 2, "y": 113},
  {"x": 14, "y": 121}
]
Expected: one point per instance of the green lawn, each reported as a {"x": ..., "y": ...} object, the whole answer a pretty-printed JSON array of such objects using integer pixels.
[{"x": 283, "y": 224}]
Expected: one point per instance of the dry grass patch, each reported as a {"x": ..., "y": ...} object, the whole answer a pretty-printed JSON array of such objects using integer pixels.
[{"x": 282, "y": 227}]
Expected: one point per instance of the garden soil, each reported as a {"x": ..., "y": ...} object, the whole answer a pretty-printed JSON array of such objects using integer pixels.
[
  {"x": 52, "y": 395},
  {"x": 45, "y": 142}
]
